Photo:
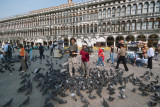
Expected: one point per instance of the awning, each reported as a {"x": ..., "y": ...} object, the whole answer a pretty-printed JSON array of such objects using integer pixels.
[
  {"x": 101, "y": 39},
  {"x": 39, "y": 41}
]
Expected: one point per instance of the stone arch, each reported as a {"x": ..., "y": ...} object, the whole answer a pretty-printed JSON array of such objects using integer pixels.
[
  {"x": 153, "y": 39},
  {"x": 119, "y": 38},
  {"x": 141, "y": 38},
  {"x": 93, "y": 42},
  {"x": 66, "y": 42},
  {"x": 130, "y": 38},
  {"x": 110, "y": 41}
]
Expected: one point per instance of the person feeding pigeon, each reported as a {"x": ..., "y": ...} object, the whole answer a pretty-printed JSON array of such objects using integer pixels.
[
  {"x": 72, "y": 59},
  {"x": 85, "y": 59},
  {"x": 122, "y": 52}
]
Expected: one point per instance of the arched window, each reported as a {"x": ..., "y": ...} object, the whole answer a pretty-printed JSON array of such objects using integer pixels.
[
  {"x": 123, "y": 26},
  {"x": 113, "y": 12},
  {"x": 104, "y": 13},
  {"x": 157, "y": 24},
  {"x": 139, "y": 25},
  {"x": 109, "y": 13},
  {"x": 128, "y": 10},
  {"x": 95, "y": 16},
  {"x": 95, "y": 28},
  {"x": 113, "y": 27},
  {"x": 133, "y": 26},
  {"x": 87, "y": 28},
  {"x": 128, "y": 26},
  {"x": 99, "y": 28},
  {"x": 88, "y": 16},
  {"x": 104, "y": 27},
  {"x": 108, "y": 27},
  {"x": 118, "y": 11},
  {"x": 150, "y": 25},
  {"x": 100, "y": 14},
  {"x": 158, "y": 6},
  {"x": 84, "y": 17},
  {"x": 145, "y": 8},
  {"x": 91, "y": 28},
  {"x": 84, "y": 29},
  {"x": 151, "y": 7},
  {"x": 123, "y": 11},
  {"x": 77, "y": 29},
  {"x": 144, "y": 25},
  {"x": 80, "y": 29},
  {"x": 134, "y": 8},
  {"x": 139, "y": 8}
]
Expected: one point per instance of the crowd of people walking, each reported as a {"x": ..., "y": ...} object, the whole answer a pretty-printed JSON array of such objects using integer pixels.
[{"x": 25, "y": 53}]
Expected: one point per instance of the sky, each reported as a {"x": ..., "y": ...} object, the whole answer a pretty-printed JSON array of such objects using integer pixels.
[{"x": 14, "y": 7}]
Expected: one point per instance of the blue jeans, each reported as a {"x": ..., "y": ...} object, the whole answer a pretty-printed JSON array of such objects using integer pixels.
[
  {"x": 100, "y": 60},
  {"x": 30, "y": 55},
  {"x": 111, "y": 57}
]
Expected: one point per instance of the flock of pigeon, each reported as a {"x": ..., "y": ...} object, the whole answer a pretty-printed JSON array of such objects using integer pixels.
[{"x": 55, "y": 82}]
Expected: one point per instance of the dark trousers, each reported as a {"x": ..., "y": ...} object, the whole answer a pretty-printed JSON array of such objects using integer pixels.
[
  {"x": 122, "y": 58},
  {"x": 41, "y": 55},
  {"x": 20, "y": 69},
  {"x": 149, "y": 62}
]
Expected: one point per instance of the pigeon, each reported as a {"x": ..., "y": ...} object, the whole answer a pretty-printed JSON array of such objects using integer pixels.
[
  {"x": 39, "y": 84},
  {"x": 48, "y": 105},
  {"x": 74, "y": 96},
  {"x": 122, "y": 95},
  {"x": 104, "y": 103},
  {"x": 133, "y": 90},
  {"x": 144, "y": 93},
  {"x": 85, "y": 105},
  {"x": 84, "y": 100},
  {"x": 99, "y": 90},
  {"x": 29, "y": 91},
  {"x": 111, "y": 98},
  {"x": 21, "y": 88},
  {"x": 91, "y": 96},
  {"x": 79, "y": 93},
  {"x": 152, "y": 104},
  {"x": 60, "y": 101},
  {"x": 37, "y": 70},
  {"x": 25, "y": 102},
  {"x": 8, "y": 104},
  {"x": 23, "y": 81}
]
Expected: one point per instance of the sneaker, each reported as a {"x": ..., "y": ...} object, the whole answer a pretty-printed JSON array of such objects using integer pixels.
[
  {"x": 97, "y": 66},
  {"x": 22, "y": 71}
]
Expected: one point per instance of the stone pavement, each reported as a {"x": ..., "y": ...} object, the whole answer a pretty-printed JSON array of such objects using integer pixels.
[{"x": 9, "y": 83}]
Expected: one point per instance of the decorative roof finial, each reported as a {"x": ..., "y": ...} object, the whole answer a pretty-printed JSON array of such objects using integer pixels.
[{"x": 69, "y": 1}]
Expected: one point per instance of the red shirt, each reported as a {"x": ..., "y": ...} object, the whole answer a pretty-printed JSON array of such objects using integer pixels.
[
  {"x": 100, "y": 53},
  {"x": 85, "y": 55}
]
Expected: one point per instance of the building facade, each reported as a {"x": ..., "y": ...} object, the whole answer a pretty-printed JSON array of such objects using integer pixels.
[{"x": 107, "y": 20}]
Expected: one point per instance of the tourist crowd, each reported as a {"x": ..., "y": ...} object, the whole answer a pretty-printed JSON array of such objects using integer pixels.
[{"x": 25, "y": 53}]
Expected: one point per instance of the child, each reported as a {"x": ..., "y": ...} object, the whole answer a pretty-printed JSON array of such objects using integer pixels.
[{"x": 100, "y": 57}]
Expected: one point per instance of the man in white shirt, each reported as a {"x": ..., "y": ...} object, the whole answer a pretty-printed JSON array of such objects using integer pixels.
[
  {"x": 6, "y": 54},
  {"x": 6, "y": 47},
  {"x": 150, "y": 54}
]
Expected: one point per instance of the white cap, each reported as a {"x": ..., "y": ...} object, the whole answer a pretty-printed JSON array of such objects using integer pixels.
[{"x": 84, "y": 44}]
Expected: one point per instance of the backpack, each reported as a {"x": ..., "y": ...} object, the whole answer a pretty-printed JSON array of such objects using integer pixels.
[{"x": 9, "y": 48}]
